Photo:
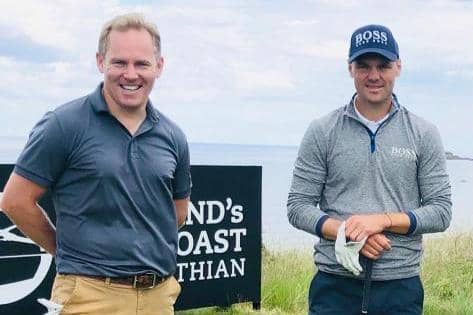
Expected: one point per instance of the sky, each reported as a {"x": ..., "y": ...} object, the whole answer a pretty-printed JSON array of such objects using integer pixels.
[{"x": 248, "y": 72}]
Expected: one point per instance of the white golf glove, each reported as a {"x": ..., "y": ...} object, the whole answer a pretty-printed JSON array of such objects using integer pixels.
[
  {"x": 53, "y": 308},
  {"x": 347, "y": 254}
]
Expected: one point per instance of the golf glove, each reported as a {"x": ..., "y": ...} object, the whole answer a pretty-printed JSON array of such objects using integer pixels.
[{"x": 347, "y": 253}]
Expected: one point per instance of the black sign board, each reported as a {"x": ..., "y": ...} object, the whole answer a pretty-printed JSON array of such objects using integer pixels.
[{"x": 219, "y": 259}]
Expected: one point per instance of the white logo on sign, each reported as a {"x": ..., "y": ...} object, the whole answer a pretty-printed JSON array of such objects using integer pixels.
[{"x": 12, "y": 292}]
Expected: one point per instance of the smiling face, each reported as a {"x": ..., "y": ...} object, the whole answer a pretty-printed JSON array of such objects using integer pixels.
[
  {"x": 130, "y": 66},
  {"x": 374, "y": 78}
]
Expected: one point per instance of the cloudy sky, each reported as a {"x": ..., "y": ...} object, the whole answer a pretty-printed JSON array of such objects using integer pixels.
[{"x": 253, "y": 72}]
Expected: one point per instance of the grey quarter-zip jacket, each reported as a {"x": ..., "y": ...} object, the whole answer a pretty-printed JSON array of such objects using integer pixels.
[{"x": 343, "y": 169}]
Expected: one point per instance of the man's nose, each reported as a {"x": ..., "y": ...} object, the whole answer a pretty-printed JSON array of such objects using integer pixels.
[
  {"x": 373, "y": 74},
  {"x": 130, "y": 72}
]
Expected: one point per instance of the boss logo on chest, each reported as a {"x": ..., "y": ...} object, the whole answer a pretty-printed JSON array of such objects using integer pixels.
[{"x": 403, "y": 153}]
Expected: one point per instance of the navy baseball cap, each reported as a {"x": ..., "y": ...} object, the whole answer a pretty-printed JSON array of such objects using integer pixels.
[{"x": 373, "y": 38}]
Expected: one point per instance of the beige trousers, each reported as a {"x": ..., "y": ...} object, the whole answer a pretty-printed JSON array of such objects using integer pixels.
[{"x": 81, "y": 295}]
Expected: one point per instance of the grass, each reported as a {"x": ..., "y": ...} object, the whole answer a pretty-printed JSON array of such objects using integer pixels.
[{"x": 447, "y": 275}]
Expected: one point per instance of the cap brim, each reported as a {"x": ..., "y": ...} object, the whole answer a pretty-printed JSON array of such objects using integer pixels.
[{"x": 385, "y": 53}]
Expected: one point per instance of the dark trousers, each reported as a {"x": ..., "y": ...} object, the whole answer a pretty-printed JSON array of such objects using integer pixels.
[{"x": 335, "y": 295}]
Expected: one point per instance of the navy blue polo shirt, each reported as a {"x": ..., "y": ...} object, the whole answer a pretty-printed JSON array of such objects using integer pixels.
[{"x": 112, "y": 191}]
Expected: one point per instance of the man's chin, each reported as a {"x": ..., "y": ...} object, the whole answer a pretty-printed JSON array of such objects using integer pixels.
[
  {"x": 132, "y": 102},
  {"x": 376, "y": 98},
  {"x": 132, "y": 106}
]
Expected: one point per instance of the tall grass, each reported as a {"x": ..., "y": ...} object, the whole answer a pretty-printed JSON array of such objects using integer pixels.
[{"x": 447, "y": 275}]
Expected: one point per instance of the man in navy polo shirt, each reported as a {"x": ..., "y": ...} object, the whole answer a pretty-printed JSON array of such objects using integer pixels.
[
  {"x": 119, "y": 175},
  {"x": 370, "y": 178}
]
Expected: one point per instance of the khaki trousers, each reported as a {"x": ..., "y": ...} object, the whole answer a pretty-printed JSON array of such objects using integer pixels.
[{"x": 81, "y": 295}]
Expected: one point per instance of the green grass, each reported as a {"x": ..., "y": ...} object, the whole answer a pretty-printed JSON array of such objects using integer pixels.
[{"x": 447, "y": 275}]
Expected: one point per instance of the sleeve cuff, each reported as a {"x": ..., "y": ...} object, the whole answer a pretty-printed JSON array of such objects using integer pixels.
[
  {"x": 41, "y": 181},
  {"x": 319, "y": 224},
  {"x": 181, "y": 195},
  {"x": 413, "y": 220}
]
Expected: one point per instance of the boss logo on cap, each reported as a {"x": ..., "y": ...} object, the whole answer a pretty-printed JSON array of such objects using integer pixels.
[{"x": 371, "y": 36}]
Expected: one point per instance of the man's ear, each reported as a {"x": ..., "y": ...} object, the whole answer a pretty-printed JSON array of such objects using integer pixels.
[
  {"x": 398, "y": 67},
  {"x": 350, "y": 69},
  {"x": 159, "y": 66},
  {"x": 100, "y": 59}
]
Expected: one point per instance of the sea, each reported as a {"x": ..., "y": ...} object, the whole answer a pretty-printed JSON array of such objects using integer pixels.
[{"x": 277, "y": 164}]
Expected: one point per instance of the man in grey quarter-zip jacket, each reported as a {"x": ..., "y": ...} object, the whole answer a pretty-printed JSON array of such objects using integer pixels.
[{"x": 381, "y": 169}]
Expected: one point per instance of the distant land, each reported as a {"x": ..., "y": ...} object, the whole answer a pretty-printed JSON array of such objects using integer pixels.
[
  {"x": 17, "y": 142},
  {"x": 451, "y": 156}
]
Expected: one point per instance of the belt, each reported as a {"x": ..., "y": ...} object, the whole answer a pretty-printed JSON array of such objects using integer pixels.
[{"x": 143, "y": 281}]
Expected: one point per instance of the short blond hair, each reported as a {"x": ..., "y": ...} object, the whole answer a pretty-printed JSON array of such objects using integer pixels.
[{"x": 123, "y": 23}]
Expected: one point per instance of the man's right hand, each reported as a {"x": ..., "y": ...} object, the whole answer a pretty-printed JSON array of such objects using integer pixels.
[{"x": 374, "y": 246}]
